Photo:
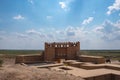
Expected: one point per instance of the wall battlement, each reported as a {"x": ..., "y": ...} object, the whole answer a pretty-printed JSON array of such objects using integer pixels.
[{"x": 62, "y": 44}]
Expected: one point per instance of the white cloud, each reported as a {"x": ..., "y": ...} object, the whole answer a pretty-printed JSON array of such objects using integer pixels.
[
  {"x": 109, "y": 31},
  {"x": 87, "y": 21},
  {"x": 21, "y": 35},
  {"x": 104, "y": 36},
  {"x": 32, "y": 31},
  {"x": 114, "y": 7},
  {"x": 117, "y": 24},
  {"x": 70, "y": 31},
  {"x": 31, "y": 1},
  {"x": 18, "y": 17},
  {"x": 35, "y": 33},
  {"x": 98, "y": 29},
  {"x": 65, "y": 4}
]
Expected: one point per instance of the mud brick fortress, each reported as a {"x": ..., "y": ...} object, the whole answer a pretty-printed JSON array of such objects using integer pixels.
[
  {"x": 65, "y": 50},
  {"x": 84, "y": 66},
  {"x": 59, "y": 50}
]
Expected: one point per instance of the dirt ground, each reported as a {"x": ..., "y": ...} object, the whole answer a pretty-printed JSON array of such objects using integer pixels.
[{"x": 11, "y": 71}]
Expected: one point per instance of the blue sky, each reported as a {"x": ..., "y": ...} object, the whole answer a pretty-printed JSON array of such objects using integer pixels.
[{"x": 27, "y": 24}]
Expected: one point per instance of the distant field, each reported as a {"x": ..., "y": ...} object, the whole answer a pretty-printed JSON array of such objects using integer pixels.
[
  {"x": 13, "y": 53},
  {"x": 101, "y": 52},
  {"x": 114, "y": 54}
]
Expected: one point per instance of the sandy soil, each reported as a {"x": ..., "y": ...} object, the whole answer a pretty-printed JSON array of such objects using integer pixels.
[{"x": 11, "y": 71}]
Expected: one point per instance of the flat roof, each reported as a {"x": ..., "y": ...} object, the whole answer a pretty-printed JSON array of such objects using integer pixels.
[
  {"x": 91, "y": 56},
  {"x": 30, "y": 55}
]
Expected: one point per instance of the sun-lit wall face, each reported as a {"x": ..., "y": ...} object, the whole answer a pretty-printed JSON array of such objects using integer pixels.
[{"x": 61, "y": 50}]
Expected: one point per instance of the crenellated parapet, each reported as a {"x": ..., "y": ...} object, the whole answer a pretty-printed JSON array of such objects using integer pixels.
[{"x": 62, "y": 44}]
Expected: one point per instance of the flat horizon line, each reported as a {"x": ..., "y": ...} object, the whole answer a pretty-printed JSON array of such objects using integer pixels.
[{"x": 43, "y": 49}]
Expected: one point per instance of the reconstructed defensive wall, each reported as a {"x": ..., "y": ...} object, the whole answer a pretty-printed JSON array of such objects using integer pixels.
[
  {"x": 65, "y": 50},
  {"x": 59, "y": 50},
  {"x": 91, "y": 66},
  {"x": 90, "y": 71},
  {"x": 29, "y": 58},
  {"x": 93, "y": 59},
  {"x": 104, "y": 77}
]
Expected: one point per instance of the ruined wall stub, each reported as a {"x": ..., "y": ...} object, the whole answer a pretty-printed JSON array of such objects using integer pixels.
[{"x": 64, "y": 50}]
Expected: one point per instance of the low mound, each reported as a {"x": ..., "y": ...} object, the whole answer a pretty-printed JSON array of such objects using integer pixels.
[{"x": 20, "y": 72}]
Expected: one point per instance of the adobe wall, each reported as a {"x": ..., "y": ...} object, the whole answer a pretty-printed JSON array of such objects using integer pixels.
[
  {"x": 101, "y": 77},
  {"x": 29, "y": 58},
  {"x": 104, "y": 77},
  {"x": 49, "y": 52},
  {"x": 94, "y": 59},
  {"x": 64, "y": 50},
  {"x": 116, "y": 76}
]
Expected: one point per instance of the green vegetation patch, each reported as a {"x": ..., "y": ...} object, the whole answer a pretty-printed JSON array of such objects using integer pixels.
[
  {"x": 13, "y": 53},
  {"x": 113, "y": 54}
]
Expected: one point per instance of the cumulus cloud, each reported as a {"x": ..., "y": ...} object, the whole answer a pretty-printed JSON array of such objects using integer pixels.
[
  {"x": 21, "y": 35},
  {"x": 18, "y": 17},
  {"x": 88, "y": 20},
  {"x": 117, "y": 24},
  {"x": 35, "y": 33},
  {"x": 97, "y": 31},
  {"x": 114, "y": 7},
  {"x": 70, "y": 31},
  {"x": 104, "y": 36},
  {"x": 65, "y": 4},
  {"x": 32, "y": 31},
  {"x": 109, "y": 31},
  {"x": 31, "y": 1}
]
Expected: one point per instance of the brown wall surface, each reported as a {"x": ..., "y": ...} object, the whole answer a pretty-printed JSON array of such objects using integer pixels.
[
  {"x": 116, "y": 77},
  {"x": 49, "y": 54},
  {"x": 29, "y": 58},
  {"x": 105, "y": 77},
  {"x": 65, "y": 50},
  {"x": 94, "y": 59}
]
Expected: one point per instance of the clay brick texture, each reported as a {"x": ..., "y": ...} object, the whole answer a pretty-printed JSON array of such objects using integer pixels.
[
  {"x": 65, "y": 50},
  {"x": 29, "y": 58}
]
